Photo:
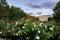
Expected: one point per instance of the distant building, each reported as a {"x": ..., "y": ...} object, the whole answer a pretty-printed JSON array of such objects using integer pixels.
[{"x": 44, "y": 17}]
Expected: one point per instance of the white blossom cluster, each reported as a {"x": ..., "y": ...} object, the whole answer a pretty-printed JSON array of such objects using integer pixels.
[{"x": 28, "y": 26}]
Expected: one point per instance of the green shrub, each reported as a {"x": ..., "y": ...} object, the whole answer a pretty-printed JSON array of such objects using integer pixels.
[{"x": 27, "y": 30}]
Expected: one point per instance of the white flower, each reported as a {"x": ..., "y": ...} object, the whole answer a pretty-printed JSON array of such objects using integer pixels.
[
  {"x": 8, "y": 24},
  {"x": 9, "y": 31},
  {"x": 25, "y": 24},
  {"x": 37, "y": 37},
  {"x": 45, "y": 26},
  {"x": 27, "y": 37},
  {"x": 1, "y": 20},
  {"x": 23, "y": 27},
  {"x": 16, "y": 34},
  {"x": 19, "y": 31},
  {"x": 0, "y": 32},
  {"x": 41, "y": 24},
  {"x": 13, "y": 29},
  {"x": 25, "y": 20},
  {"x": 22, "y": 19},
  {"x": 35, "y": 25},
  {"x": 16, "y": 23},
  {"x": 38, "y": 31},
  {"x": 28, "y": 19},
  {"x": 51, "y": 28}
]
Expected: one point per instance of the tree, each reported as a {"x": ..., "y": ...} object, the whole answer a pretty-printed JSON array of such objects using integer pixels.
[
  {"x": 8, "y": 13},
  {"x": 3, "y": 3},
  {"x": 3, "y": 9},
  {"x": 15, "y": 13},
  {"x": 56, "y": 15}
]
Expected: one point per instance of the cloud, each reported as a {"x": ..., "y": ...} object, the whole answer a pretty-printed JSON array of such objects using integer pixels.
[
  {"x": 33, "y": 6},
  {"x": 44, "y": 4},
  {"x": 39, "y": 13},
  {"x": 55, "y": 0},
  {"x": 48, "y": 4},
  {"x": 44, "y": 11}
]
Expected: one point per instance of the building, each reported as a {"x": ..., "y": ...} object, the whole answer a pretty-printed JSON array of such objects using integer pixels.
[{"x": 44, "y": 17}]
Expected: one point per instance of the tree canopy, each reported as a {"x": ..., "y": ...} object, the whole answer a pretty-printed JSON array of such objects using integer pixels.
[
  {"x": 56, "y": 14},
  {"x": 10, "y": 13},
  {"x": 3, "y": 3}
]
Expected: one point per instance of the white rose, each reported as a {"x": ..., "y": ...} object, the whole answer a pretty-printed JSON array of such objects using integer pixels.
[
  {"x": 41, "y": 24},
  {"x": 0, "y": 32},
  {"x": 16, "y": 34},
  {"x": 24, "y": 24},
  {"x": 1, "y": 20},
  {"x": 25, "y": 20},
  {"x": 38, "y": 31},
  {"x": 13, "y": 29},
  {"x": 45, "y": 26},
  {"x": 9, "y": 31},
  {"x": 35, "y": 25},
  {"x": 23, "y": 27},
  {"x": 22, "y": 18},
  {"x": 18, "y": 31},
  {"x": 51, "y": 28},
  {"x": 37, "y": 37},
  {"x": 27, "y": 37},
  {"x": 8, "y": 24},
  {"x": 28, "y": 19},
  {"x": 16, "y": 23}
]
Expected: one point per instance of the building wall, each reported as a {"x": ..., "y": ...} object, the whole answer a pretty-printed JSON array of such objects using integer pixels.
[{"x": 44, "y": 17}]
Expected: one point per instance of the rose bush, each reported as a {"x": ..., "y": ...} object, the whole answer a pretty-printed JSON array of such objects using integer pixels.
[{"x": 26, "y": 30}]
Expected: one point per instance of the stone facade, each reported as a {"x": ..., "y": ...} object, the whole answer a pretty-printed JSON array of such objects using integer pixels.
[{"x": 44, "y": 17}]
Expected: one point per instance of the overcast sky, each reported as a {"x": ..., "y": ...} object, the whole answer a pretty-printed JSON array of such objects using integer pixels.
[{"x": 35, "y": 7}]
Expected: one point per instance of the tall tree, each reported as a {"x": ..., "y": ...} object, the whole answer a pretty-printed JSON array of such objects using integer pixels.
[
  {"x": 16, "y": 13},
  {"x": 56, "y": 15},
  {"x": 3, "y": 8},
  {"x": 10, "y": 13},
  {"x": 3, "y": 3}
]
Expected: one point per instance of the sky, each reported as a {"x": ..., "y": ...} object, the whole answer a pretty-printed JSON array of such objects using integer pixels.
[{"x": 35, "y": 7}]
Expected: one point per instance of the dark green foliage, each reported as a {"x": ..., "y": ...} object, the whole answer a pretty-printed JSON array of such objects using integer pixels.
[
  {"x": 8, "y": 13},
  {"x": 26, "y": 30},
  {"x": 15, "y": 13},
  {"x": 56, "y": 15},
  {"x": 50, "y": 18},
  {"x": 3, "y": 2}
]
